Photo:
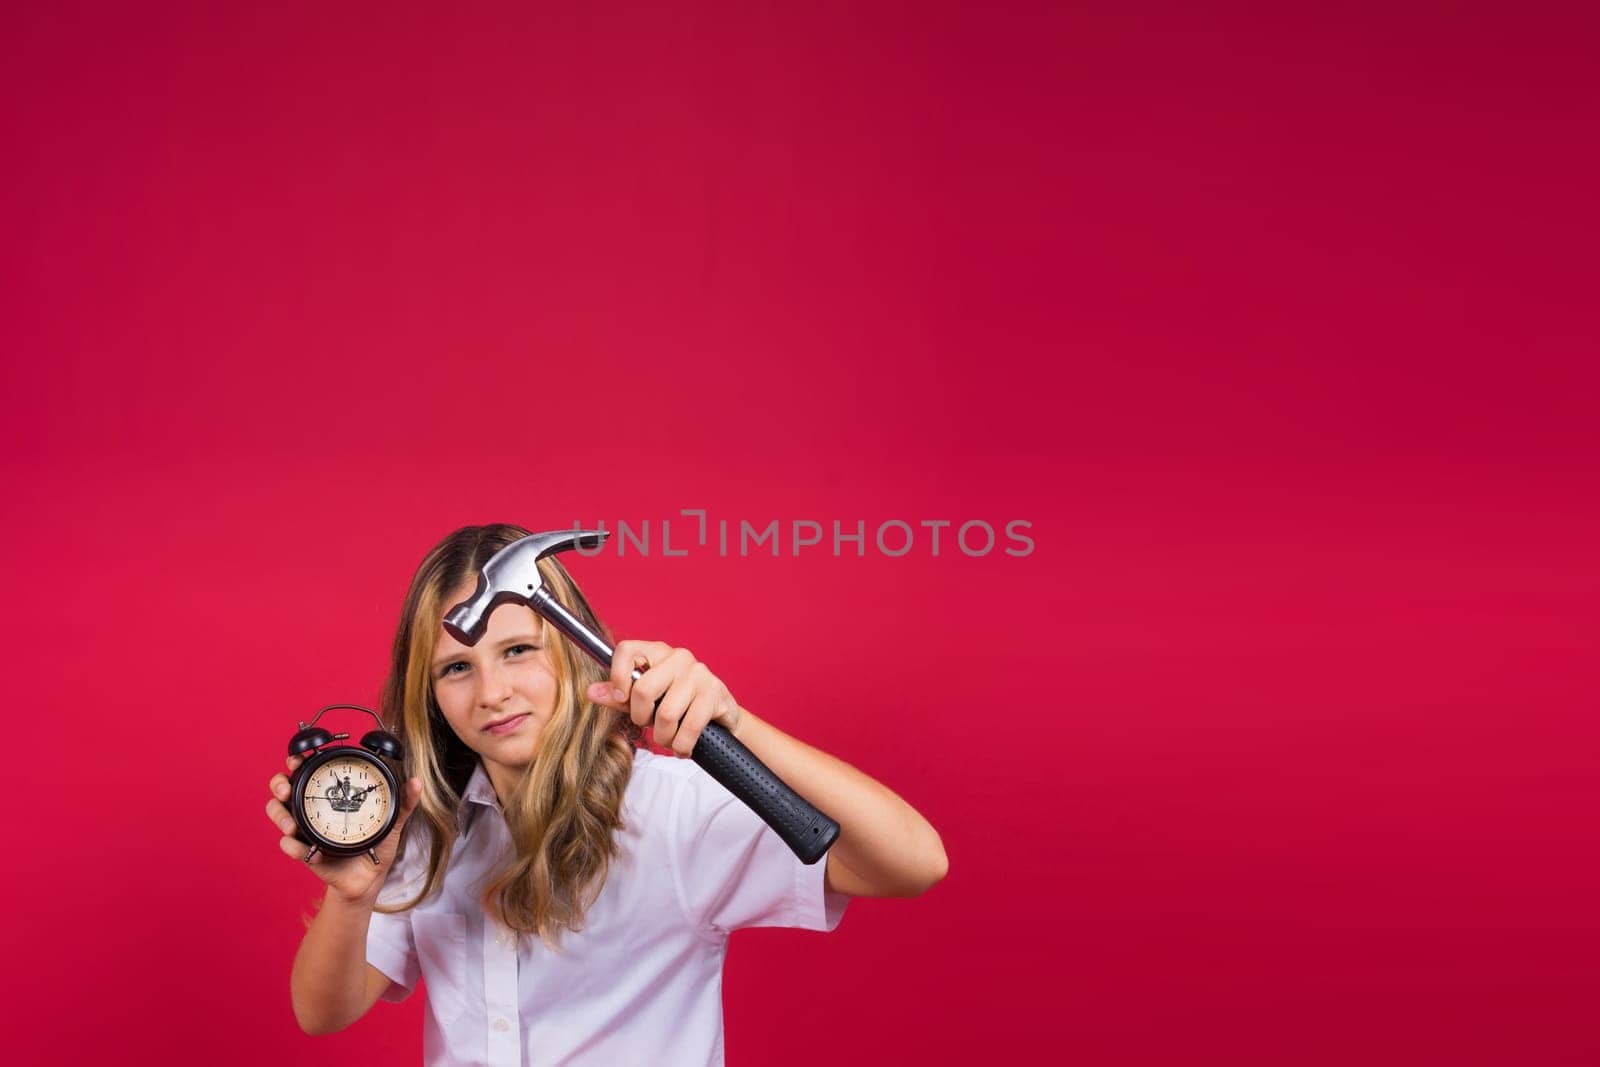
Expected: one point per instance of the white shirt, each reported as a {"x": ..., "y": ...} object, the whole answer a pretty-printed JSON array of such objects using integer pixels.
[{"x": 642, "y": 982}]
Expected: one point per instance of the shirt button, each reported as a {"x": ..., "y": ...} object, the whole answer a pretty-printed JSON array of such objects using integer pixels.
[{"x": 502, "y": 1025}]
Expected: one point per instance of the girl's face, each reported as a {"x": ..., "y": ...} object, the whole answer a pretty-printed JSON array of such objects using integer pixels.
[{"x": 496, "y": 695}]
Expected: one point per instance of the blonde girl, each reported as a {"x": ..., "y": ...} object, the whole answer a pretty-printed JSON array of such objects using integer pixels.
[{"x": 566, "y": 894}]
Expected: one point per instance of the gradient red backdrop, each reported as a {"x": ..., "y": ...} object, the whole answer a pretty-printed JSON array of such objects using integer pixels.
[{"x": 1277, "y": 326}]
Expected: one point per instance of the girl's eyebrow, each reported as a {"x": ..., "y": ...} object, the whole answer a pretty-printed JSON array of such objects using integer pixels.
[{"x": 514, "y": 639}]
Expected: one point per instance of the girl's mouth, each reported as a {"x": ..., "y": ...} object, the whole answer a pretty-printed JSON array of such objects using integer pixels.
[{"x": 506, "y": 726}]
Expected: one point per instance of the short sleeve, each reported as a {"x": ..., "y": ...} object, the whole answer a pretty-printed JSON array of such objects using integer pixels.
[
  {"x": 735, "y": 871},
  {"x": 391, "y": 948}
]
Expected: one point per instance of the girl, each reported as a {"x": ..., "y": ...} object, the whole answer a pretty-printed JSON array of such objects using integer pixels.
[{"x": 567, "y": 895}]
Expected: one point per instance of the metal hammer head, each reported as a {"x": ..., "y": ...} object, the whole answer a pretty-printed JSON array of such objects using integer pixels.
[{"x": 512, "y": 576}]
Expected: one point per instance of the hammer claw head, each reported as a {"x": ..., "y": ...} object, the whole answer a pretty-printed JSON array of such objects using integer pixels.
[{"x": 511, "y": 576}]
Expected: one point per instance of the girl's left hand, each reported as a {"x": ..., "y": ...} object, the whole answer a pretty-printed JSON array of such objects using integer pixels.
[{"x": 689, "y": 695}]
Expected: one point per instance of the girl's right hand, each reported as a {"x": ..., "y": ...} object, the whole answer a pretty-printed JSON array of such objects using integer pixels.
[{"x": 354, "y": 879}]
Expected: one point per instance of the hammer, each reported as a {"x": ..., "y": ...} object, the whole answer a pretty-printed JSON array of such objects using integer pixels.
[{"x": 511, "y": 576}]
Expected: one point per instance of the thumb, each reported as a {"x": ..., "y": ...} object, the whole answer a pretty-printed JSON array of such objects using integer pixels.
[
  {"x": 603, "y": 694},
  {"x": 408, "y": 803},
  {"x": 410, "y": 795}
]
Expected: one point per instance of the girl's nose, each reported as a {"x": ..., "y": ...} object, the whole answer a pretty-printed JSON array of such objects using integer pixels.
[{"x": 496, "y": 687}]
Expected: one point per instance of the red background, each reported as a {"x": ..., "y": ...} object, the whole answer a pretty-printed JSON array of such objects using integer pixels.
[{"x": 1277, "y": 326}]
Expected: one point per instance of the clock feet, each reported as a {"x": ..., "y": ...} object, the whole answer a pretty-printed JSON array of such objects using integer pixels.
[
  {"x": 376, "y": 862},
  {"x": 313, "y": 852}
]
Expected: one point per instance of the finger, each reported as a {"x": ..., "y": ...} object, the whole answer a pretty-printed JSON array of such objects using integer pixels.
[
  {"x": 293, "y": 763},
  {"x": 695, "y": 717},
  {"x": 410, "y": 797},
  {"x": 607, "y": 695},
  {"x": 686, "y": 686},
  {"x": 409, "y": 800},
  {"x": 650, "y": 688},
  {"x": 280, "y": 816},
  {"x": 278, "y": 786},
  {"x": 296, "y": 849},
  {"x": 634, "y": 655}
]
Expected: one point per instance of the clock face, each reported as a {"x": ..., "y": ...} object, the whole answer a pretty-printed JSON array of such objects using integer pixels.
[{"x": 347, "y": 800}]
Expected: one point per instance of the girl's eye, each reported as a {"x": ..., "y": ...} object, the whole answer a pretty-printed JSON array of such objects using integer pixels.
[
  {"x": 517, "y": 650},
  {"x": 450, "y": 668}
]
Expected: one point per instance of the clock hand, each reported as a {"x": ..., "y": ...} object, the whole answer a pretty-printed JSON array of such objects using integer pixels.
[{"x": 359, "y": 797}]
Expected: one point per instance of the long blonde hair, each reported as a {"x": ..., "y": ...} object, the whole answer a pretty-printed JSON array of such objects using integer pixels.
[{"x": 565, "y": 810}]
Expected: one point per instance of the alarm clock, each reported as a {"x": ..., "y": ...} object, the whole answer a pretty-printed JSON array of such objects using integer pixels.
[{"x": 344, "y": 798}]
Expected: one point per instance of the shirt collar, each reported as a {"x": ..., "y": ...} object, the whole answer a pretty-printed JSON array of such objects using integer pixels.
[{"x": 479, "y": 792}]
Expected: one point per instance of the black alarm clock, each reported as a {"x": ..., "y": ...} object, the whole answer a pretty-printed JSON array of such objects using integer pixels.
[{"x": 343, "y": 798}]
